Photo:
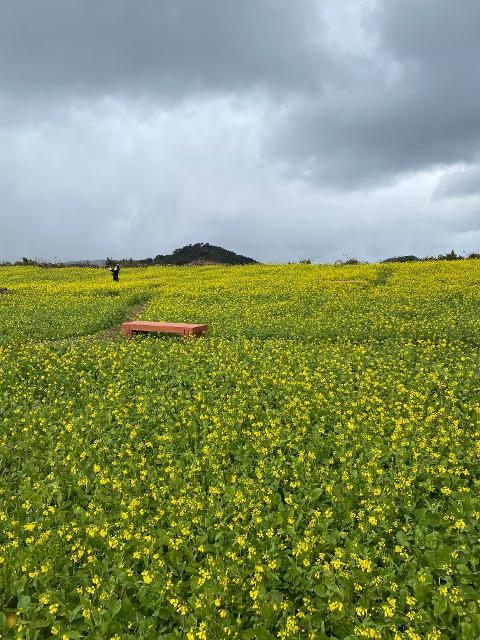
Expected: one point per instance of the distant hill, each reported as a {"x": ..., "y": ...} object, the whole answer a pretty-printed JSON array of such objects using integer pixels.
[
  {"x": 200, "y": 254},
  {"x": 402, "y": 259}
]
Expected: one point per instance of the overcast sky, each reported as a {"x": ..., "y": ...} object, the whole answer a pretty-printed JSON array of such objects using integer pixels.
[{"x": 280, "y": 129}]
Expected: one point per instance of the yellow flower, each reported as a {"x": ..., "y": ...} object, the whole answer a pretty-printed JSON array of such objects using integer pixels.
[{"x": 147, "y": 577}]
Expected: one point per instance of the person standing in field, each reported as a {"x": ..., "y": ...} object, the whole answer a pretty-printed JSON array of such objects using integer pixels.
[{"x": 115, "y": 271}]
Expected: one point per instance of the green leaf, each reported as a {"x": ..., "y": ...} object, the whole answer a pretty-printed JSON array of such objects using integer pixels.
[
  {"x": 276, "y": 597},
  {"x": 318, "y": 620},
  {"x": 468, "y": 631},
  {"x": 431, "y": 540},
  {"x": 268, "y": 613},
  {"x": 23, "y": 602},
  {"x": 20, "y": 585},
  {"x": 97, "y": 617},
  {"x": 442, "y": 555},
  {"x": 439, "y": 606},
  {"x": 462, "y": 568},
  {"x": 73, "y": 615},
  {"x": 262, "y": 634},
  {"x": 402, "y": 538},
  {"x": 116, "y": 607},
  {"x": 278, "y": 520}
]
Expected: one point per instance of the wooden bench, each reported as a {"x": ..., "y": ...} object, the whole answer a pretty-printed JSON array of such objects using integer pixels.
[{"x": 182, "y": 328}]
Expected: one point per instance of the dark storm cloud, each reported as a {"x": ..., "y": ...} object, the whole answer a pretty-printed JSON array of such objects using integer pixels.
[
  {"x": 281, "y": 129},
  {"x": 411, "y": 102},
  {"x": 168, "y": 48},
  {"x": 406, "y": 100}
]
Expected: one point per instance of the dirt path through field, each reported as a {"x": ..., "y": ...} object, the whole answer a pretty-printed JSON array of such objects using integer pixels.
[
  {"x": 116, "y": 332},
  {"x": 112, "y": 333}
]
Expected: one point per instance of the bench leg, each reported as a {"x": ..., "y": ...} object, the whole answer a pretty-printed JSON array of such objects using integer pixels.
[
  {"x": 189, "y": 334},
  {"x": 193, "y": 334},
  {"x": 128, "y": 333}
]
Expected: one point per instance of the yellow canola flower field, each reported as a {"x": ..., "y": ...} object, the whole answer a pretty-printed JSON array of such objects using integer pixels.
[{"x": 309, "y": 469}]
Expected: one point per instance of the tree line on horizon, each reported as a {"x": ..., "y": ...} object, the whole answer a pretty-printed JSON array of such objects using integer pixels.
[
  {"x": 203, "y": 253},
  {"x": 451, "y": 255}
]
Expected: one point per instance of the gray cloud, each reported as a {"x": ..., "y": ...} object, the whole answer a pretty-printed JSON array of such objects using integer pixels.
[
  {"x": 166, "y": 48},
  {"x": 281, "y": 130},
  {"x": 411, "y": 101},
  {"x": 459, "y": 183}
]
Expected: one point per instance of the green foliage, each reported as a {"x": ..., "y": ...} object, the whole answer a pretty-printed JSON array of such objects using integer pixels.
[
  {"x": 202, "y": 253},
  {"x": 349, "y": 261},
  {"x": 450, "y": 256},
  {"x": 308, "y": 470},
  {"x": 409, "y": 258}
]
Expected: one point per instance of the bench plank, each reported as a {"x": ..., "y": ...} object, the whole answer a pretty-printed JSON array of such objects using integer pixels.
[{"x": 185, "y": 329}]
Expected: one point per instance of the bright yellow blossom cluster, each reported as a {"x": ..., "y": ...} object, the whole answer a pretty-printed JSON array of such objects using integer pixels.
[{"x": 309, "y": 469}]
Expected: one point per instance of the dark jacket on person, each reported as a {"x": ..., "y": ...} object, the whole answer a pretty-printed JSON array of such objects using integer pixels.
[{"x": 115, "y": 271}]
